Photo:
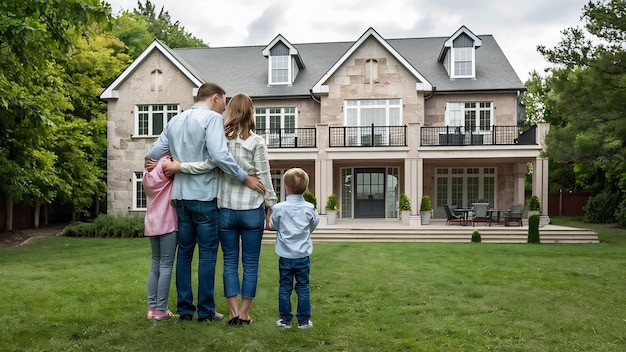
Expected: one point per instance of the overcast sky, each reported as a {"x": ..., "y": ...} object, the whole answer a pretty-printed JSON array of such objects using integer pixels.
[{"x": 518, "y": 26}]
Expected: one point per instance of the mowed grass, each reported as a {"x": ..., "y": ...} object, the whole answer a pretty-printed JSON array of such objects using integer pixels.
[{"x": 73, "y": 294}]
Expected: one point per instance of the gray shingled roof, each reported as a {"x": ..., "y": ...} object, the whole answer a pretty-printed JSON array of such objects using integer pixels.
[{"x": 244, "y": 69}]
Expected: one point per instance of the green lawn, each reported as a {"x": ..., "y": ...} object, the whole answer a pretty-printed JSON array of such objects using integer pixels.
[{"x": 72, "y": 294}]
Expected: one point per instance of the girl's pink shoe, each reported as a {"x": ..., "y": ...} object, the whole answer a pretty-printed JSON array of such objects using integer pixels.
[
  {"x": 151, "y": 313},
  {"x": 163, "y": 314}
]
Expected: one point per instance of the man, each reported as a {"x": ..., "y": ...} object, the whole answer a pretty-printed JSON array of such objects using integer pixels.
[{"x": 197, "y": 135}]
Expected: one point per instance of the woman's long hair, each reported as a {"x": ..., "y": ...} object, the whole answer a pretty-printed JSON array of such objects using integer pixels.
[{"x": 240, "y": 117}]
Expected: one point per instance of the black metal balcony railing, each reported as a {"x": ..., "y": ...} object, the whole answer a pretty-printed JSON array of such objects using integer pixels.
[
  {"x": 289, "y": 137},
  {"x": 495, "y": 135},
  {"x": 368, "y": 136}
]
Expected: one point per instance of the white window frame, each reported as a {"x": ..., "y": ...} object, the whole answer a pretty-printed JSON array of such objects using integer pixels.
[
  {"x": 481, "y": 190},
  {"x": 138, "y": 203},
  {"x": 456, "y": 115},
  {"x": 147, "y": 112},
  {"x": 280, "y": 63},
  {"x": 463, "y": 55},
  {"x": 353, "y": 117},
  {"x": 266, "y": 114}
]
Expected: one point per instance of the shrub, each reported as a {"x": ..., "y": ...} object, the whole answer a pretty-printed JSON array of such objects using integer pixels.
[
  {"x": 426, "y": 205},
  {"x": 310, "y": 197},
  {"x": 108, "y": 226},
  {"x": 533, "y": 229},
  {"x": 534, "y": 204},
  {"x": 405, "y": 203},
  {"x": 332, "y": 203},
  {"x": 601, "y": 208},
  {"x": 476, "y": 236}
]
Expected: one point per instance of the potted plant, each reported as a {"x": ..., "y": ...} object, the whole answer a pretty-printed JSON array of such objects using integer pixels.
[
  {"x": 426, "y": 210},
  {"x": 534, "y": 206},
  {"x": 332, "y": 204},
  {"x": 405, "y": 208}
]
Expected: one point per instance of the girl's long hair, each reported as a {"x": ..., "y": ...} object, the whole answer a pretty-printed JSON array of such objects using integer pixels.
[{"x": 240, "y": 117}]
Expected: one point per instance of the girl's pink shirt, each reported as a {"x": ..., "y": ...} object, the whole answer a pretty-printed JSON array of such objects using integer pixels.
[{"x": 160, "y": 215}]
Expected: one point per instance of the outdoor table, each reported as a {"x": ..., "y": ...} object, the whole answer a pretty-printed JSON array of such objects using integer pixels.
[
  {"x": 497, "y": 212},
  {"x": 465, "y": 212}
]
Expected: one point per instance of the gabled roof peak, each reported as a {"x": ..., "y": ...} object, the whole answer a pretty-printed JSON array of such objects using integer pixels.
[{"x": 292, "y": 49}]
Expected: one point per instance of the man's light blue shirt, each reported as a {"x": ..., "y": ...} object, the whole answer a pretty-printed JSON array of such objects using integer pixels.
[
  {"x": 195, "y": 135},
  {"x": 294, "y": 220}
]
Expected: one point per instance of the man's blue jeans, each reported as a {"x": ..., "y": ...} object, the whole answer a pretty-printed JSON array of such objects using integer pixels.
[
  {"x": 245, "y": 227},
  {"x": 298, "y": 269},
  {"x": 197, "y": 224}
]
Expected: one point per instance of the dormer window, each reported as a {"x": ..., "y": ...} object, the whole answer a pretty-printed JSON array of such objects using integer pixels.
[
  {"x": 463, "y": 56},
  {"x": 458, "y": 54},
  {"x": 284, "y": 62},
  {"x": 279, "y": 63}
]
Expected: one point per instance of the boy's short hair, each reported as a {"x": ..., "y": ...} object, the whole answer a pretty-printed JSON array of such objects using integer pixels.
[{"x": 297, "y": 180}]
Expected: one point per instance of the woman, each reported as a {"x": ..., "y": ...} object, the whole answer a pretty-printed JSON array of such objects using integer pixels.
[{"x": 242, "y": 210}]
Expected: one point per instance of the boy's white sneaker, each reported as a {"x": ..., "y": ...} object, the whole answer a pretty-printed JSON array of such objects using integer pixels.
[
  {"x": 281, "y": 324},
  {"x": 307, "y": 325}
]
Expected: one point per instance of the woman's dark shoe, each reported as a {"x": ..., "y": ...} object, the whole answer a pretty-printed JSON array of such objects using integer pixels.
[
  {"x": 244, "y": 321},
  {"x": 234, "y": 321}
]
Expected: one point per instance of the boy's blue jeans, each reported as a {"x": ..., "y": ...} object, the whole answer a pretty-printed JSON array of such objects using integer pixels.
[{"x": 298, "y": 269}]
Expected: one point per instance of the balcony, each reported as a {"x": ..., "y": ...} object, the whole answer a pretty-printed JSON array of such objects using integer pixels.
[
  {"x": 460, "y": 136},
  {"x": 368, "y": 136},
  {"x": 289, "y": 137}
]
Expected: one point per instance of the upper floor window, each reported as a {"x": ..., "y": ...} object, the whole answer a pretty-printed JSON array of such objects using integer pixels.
[
  {"x": 280, "y": 64},
  {"x": 371, "y": 71},
  {"x": 380, "y": 112},
  {"x": 150, "y": 119},
  {"x": 473, "y": 116},
  {"x": 463, "y": 57},
  {"x": 276, "y": 125},
  {"x": 458, "y": 54}
]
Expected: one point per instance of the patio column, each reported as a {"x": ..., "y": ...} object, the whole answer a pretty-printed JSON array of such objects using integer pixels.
[
  {"x": 413, "y": 182},
  {"x": 519, "y": 179},
  {"x": 540, "y": 182},
  {"x": 323, "y": 183}
]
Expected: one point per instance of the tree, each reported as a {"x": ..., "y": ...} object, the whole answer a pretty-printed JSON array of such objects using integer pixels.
[
  {"x": 34, "y": 36},
  {"x": 587, "y": 98},
  {"x": 137, "y": 29}
]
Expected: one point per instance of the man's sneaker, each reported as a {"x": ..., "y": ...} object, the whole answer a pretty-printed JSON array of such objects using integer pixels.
[
  {"x": 282, "y": 324},
  {"x": 307, "y": 325},
  {"x": 216, "y": 317},
  {"x": 186, "y": 317}
]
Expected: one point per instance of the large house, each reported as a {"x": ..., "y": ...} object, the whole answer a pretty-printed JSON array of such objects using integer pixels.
[{"x": 368, "y": 120}]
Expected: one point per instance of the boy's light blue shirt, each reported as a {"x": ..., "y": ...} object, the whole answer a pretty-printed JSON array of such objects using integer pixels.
[
  {"x": 197, "y": 134},
  {"x": 294, "y": 220}
]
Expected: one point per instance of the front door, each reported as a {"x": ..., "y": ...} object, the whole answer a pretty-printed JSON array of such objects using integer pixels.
[{"x": 370, "y": 193}]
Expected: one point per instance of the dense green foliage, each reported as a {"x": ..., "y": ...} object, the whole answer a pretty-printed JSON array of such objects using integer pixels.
[
  {"x": 332, "y": 203},
  {"x": 476, "y": 236},
  {"x": 405, "y": 202},
  {"x": 583, "y": 97},
  {"x": 310, "y": 197},
  {"x": 108, "y": 226},
  {"x": 56, "y": 57},
  {"x": 601, "y": 208},
  {"x": 137, "y": 29},
  {"x": 534, "y": 204},
  {"x": 533, "y": 229},
  {"x": 426, "y": 204}
]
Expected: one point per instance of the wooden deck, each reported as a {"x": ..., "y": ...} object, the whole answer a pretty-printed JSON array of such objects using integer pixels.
[{"x": 391, "y": 230}]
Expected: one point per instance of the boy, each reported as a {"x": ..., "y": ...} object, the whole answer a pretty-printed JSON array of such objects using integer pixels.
[{"x": 294, "y": 220}]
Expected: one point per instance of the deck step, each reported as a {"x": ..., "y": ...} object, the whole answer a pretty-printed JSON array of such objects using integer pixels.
[{"x": 446, "y": 234}]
